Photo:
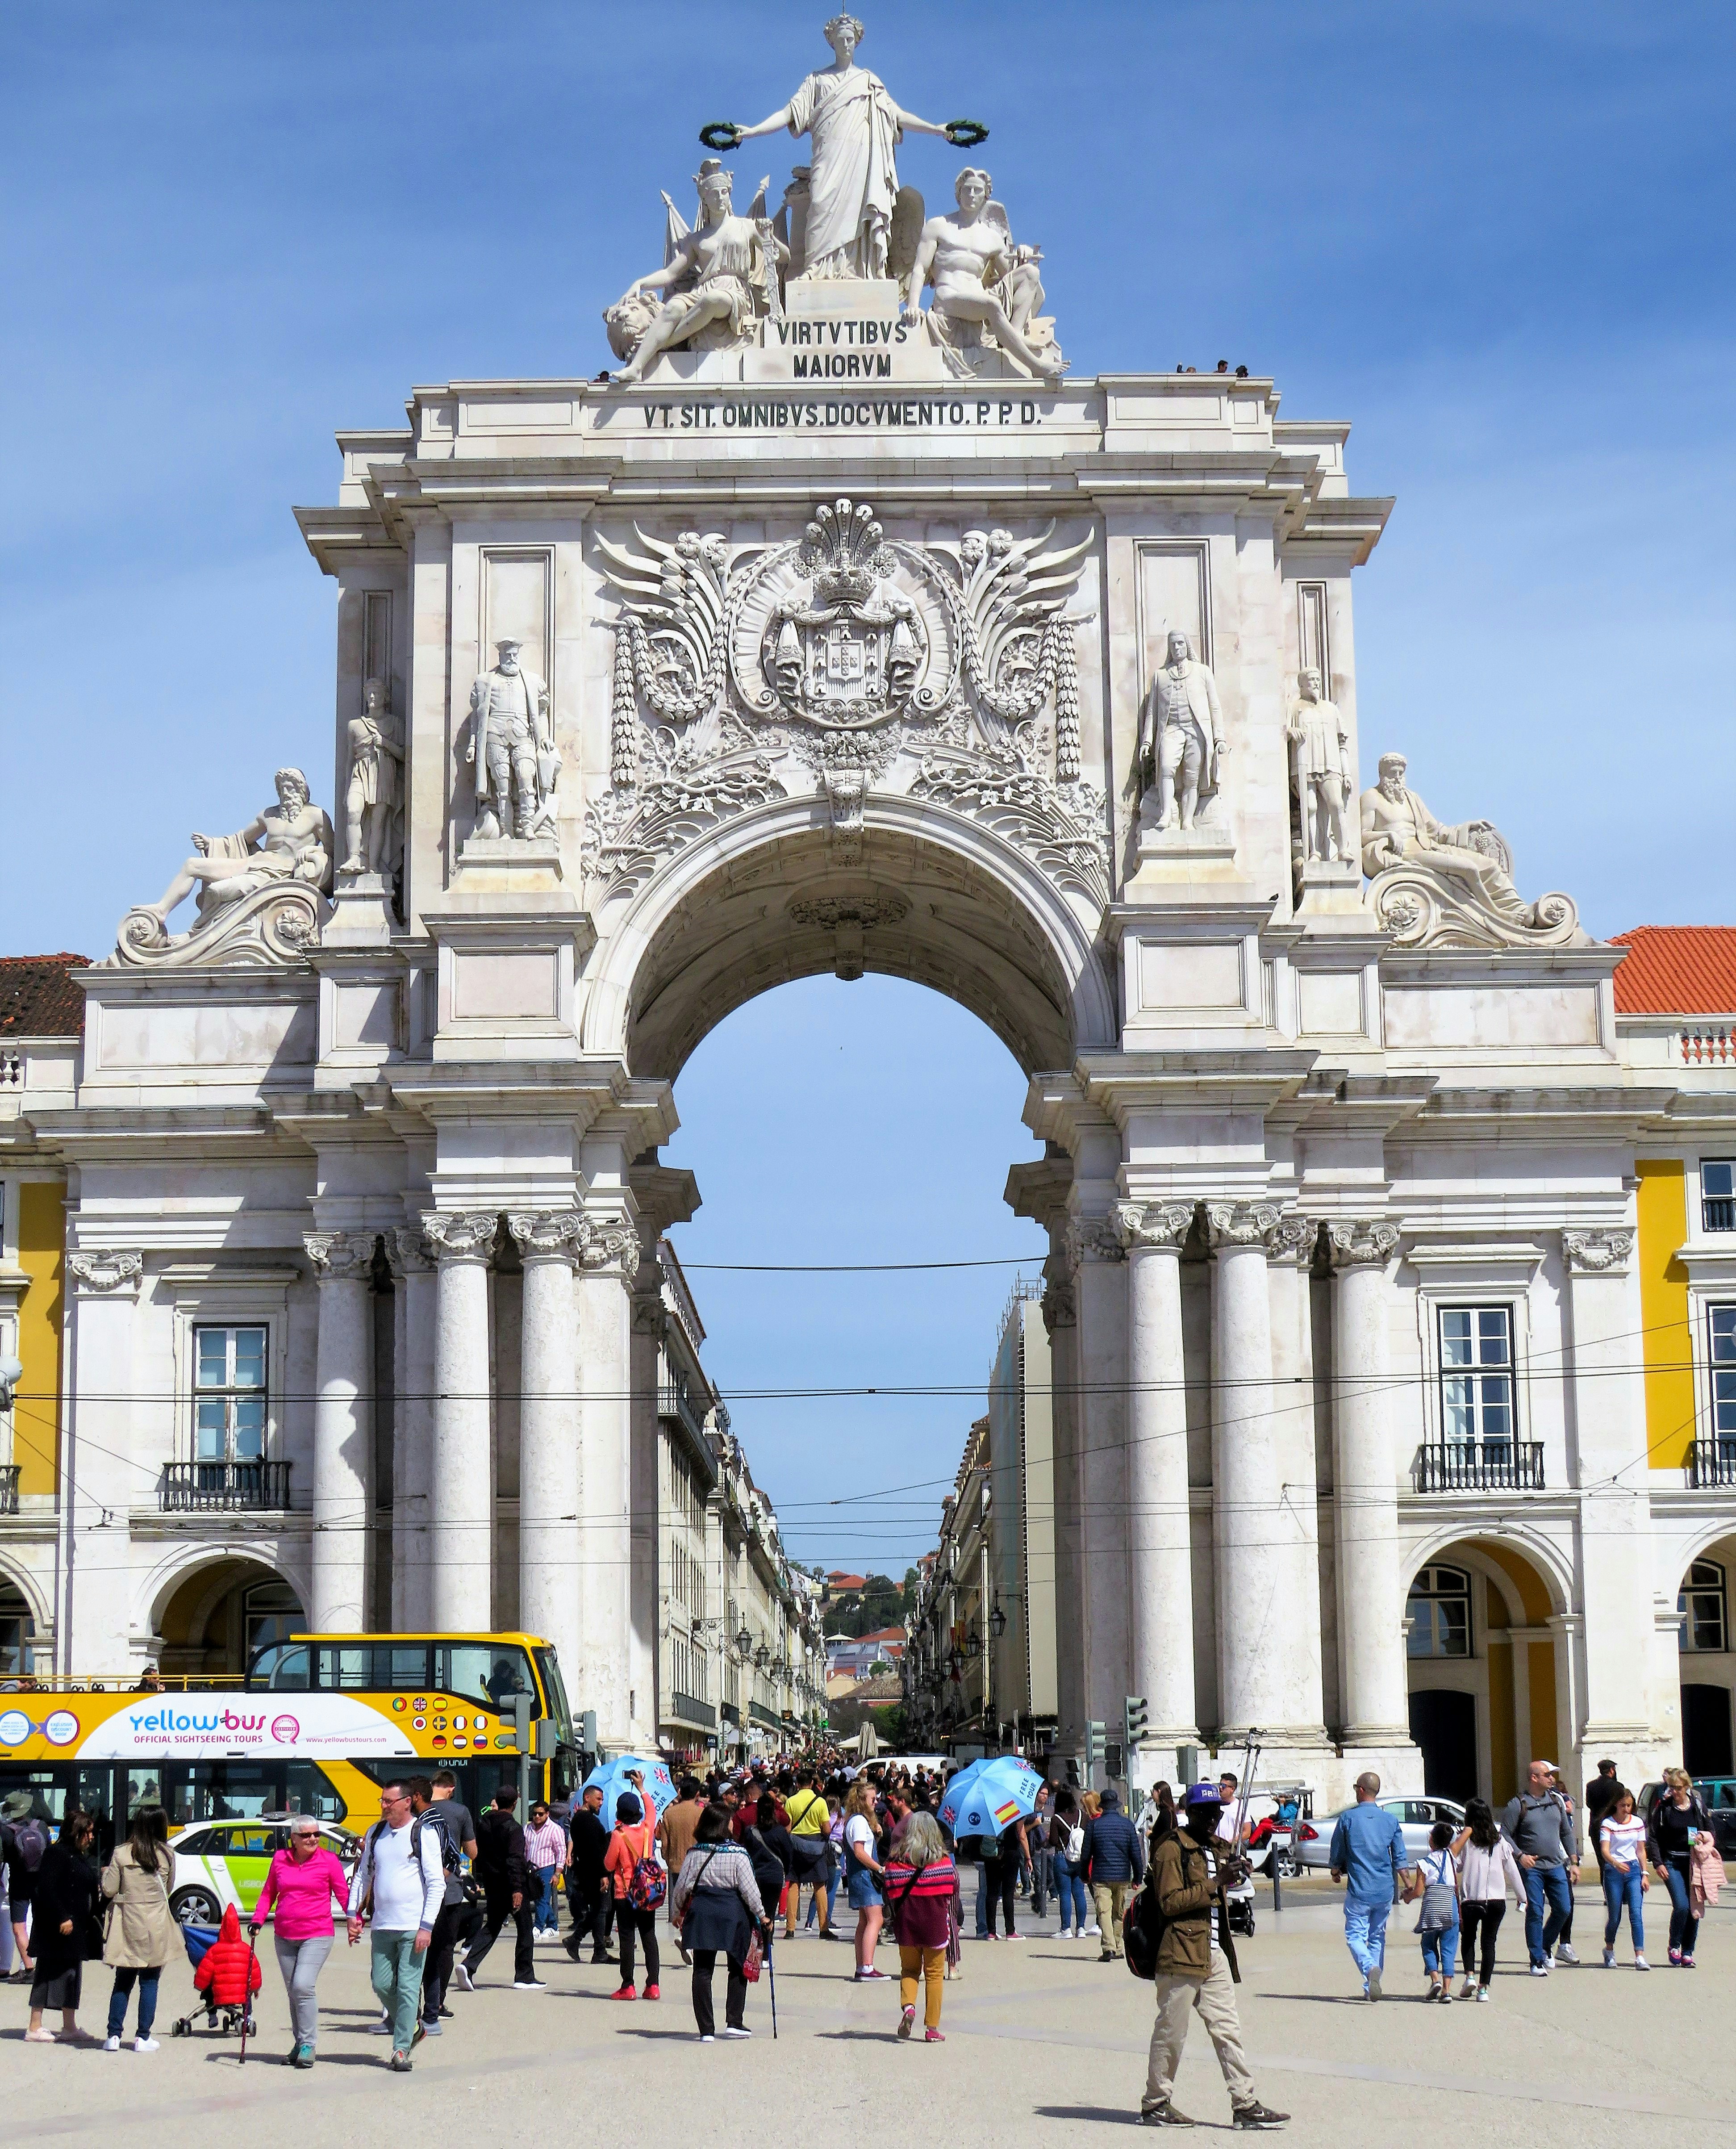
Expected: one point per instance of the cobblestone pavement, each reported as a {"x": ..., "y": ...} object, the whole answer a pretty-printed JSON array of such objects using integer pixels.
[{"x": 1043, "y": 2043}]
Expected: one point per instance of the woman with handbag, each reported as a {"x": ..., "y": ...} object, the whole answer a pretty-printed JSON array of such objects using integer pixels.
[
  {"x": 716, "y": 1906},
  {"x": 1436, "y": 1884},
  {"x": 138, "y": 1931},
  {"x": 920, "y": 1883}
]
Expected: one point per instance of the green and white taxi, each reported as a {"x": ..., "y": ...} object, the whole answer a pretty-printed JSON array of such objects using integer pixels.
[{"x": 220, "y": 1862}]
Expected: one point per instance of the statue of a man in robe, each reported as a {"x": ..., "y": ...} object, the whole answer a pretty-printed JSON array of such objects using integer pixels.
[{"x": 853, "y": 180}]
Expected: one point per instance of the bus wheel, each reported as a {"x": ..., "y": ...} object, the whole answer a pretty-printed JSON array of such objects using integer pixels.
[{"x": 195, "y": 1906}]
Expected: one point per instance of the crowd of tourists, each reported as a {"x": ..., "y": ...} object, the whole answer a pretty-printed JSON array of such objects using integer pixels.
[{"x": 734, "y": 1863}]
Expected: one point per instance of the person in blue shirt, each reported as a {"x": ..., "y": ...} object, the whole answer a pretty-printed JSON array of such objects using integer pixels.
[{"x": 1368, "y": 1855}]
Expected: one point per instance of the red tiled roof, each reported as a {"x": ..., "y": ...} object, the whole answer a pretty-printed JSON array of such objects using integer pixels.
[
  {"x": 38, "y": 997},
  {"x": 1677, "y": 969}
]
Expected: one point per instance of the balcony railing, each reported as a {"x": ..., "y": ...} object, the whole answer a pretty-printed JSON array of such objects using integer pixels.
[
  {"x": 673, "y": 1404},
  {"x": 1712, "y": 1462},
  {"x": 687, "y": 1710},
  {"x": 1480, "y": 1465},
  {"x": 9, "y": 1488},
  {"x": 223, "y": 1487}
]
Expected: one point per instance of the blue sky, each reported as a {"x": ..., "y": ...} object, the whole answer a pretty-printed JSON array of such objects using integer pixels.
[{"x": 1496, "y": 237}]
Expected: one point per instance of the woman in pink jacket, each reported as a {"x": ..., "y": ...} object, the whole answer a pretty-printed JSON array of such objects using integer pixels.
[{"x": 303, "y": 1883}]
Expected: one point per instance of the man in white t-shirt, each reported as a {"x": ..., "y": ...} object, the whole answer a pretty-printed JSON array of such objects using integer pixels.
[{"x": 402, "y": 1876}]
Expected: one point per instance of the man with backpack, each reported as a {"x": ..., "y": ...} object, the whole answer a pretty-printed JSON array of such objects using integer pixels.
[
  {"x": 401, "y": 1877},
  {"x": 1179, "y": 1926},
  {"x": 504, "y": 1873},
  {"x": 459, "y": 1917},
  {"x": 23, "y": 1840}
]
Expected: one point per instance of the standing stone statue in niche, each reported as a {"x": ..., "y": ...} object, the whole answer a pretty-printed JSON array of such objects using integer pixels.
[
  {"x": 855, "y": 127},
  {"x": 982, "y": 280},
  {"x": 511, "y": 748},
  {"x": 721, "y": 277},
  {"x": 371, "y": 801},
  {"x": 1181, "y": 736},
  {"x": 1322, "y": 779}
]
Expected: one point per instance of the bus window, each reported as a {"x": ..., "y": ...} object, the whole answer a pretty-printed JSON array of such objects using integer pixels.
[
  {"x": 555, "y": 1688},
  {"x": 221, "y": 1790},
  {"x": 62, "y": 1788},
  {"x": 336, "y": 1667},
  {"x": 491, "y": 1672},
  {"x": 145, "y": 1789},
  {"x": 406, "y": 1666},
  {"x": 307, "y": 1789},
  {"x": 283, "y": 1667}
]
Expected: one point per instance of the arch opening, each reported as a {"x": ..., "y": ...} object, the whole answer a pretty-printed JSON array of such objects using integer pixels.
[
  {"x": 214, "y": 1616},
  {"x": 1707, "y": 1661}
]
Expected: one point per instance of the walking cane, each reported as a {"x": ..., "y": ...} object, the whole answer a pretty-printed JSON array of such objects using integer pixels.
[
  {"x": 252, "y": 1942},
  {"x": 772, "y": 1976}
]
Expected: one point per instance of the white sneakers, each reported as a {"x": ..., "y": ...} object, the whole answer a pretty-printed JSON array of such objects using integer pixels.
[
  {"x": 146, "y": 2045},
  {"x": 1564, "y": 1953},
  {"x": 1540, "y": 1969},
  {"x": 1640, "y": 1963},
  {"x": 111, "y": 2044},
  {"x": 463, "y": 1979}
]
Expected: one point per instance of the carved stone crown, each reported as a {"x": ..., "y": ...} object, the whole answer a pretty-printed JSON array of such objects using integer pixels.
[{"x": 844, "y": 549}]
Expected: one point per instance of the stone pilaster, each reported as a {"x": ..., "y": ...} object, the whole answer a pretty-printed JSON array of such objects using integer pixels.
[
  {"x": 461, "y": 1489},
  {"x": 343, "y": 1429},
  {"x": 549, "y": 1547},
  {"x": 413, "y": 1271}
]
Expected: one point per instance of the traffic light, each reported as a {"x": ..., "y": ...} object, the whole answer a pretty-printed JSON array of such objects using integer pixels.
[
  {"x": 1138, "y": 1717},
  {"x": 1094, "y": 1750},
  {"x": 587, "y": 1732},
  {"x": 520, "y": 1733}
]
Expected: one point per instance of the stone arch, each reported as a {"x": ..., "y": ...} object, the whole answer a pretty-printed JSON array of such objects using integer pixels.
[
  {"x": 187, "y": 1606},
  {"x": 769, "y": 897},
  {"x": 1707, "y": 1676},
  {"x": 15, "y": 1575},
  {"x": 1514, "y": 1687}
]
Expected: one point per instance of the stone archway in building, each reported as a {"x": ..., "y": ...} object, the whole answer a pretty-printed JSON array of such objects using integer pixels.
[
  {"x": 209, "y": 1621},
  {"x": 1708, "y": 1659},
  {"x": 1487, "y": 1672}
]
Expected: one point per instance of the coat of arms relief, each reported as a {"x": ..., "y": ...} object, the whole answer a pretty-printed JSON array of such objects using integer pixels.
[{"x": 947, "y": 672}]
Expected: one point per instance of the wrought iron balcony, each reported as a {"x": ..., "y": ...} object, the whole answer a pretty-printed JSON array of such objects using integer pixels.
[
  {"x": 672, "y": 1402},
  {"x": 9, "y": 1488},
  {"x": 223, "y": 1487},
  {"x": 1479, "y": 1466},
  {"x": 1712, "y": 1462},
  {"x": 685, "y": 1709}
]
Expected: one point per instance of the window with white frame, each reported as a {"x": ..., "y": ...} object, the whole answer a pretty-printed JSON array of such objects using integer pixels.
[
  {"x": 1438, "y": 1610},
  {"x": 229, "y": 1394},
  {"x": 1704, "y": 1607},
  {"x": 1477, "y": 1377},
  {"x": 1717, "y": 1195},
  {"x": 1721, "y": 1321}
]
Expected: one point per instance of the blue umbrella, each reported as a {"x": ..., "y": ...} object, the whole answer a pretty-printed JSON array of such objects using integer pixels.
[
  {"x": 990, "y": 1795},
  {"x": 611, "y": 1779}
]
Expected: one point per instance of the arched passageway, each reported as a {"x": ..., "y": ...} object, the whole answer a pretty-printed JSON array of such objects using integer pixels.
[
  {"x": 1708, "y": 1662},
  {"x": 217, "y": 1616}
]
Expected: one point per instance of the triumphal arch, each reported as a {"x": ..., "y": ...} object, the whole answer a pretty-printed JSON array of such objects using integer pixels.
[{"x": 843, "y": 625}]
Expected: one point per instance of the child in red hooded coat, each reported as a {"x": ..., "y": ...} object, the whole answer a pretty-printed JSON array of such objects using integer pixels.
[{"x": 230, "y": 1974}]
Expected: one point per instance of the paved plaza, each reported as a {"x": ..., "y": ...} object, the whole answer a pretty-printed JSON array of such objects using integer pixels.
[{"x": 1043, "y": 2043}]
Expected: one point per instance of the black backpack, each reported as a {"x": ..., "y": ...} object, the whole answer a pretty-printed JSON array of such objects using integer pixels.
[{"x": 1142, "y": 1929}]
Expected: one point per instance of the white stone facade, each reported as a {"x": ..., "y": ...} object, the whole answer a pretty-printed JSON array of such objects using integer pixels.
[{"x": 944, "y": 668}]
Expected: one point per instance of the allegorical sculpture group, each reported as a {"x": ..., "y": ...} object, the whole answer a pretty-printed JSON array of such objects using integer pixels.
[{"x": 850, "y": 624}]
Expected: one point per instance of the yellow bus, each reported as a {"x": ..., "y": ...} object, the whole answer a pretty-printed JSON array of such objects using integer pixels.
[{"x": 316, "y": 1725}]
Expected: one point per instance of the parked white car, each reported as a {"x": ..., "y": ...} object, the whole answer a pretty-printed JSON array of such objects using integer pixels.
[
  {"x": 1414, "y": 1816},
  {"x": 220, "y": 1862}
]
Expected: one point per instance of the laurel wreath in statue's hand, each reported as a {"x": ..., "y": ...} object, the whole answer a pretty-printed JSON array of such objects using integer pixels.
[
  {"x": 721, "y": 134},
  {"x": 965, "y": 133}
]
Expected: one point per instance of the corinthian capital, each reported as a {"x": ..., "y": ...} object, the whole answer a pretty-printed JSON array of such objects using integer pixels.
[
  {"x": 460, "y": 1235},
  {"x": 1239, "y": 1223},
  {"x": 1294, "y": 1239},
  {"x": 408, "y": 1251},
  {"x": 1597, "y": 1253},
  {"x": 546, "y": 1235},
  {"x": 1093, "y": 1239},
  {"x": 340, "y": 1256},
  {"x": 1161, "y": 1223},
  {"x": 99, "y": 1270},
  {"x": 609, "y": 1244},
  {"x": 1356, "y": 1244}
]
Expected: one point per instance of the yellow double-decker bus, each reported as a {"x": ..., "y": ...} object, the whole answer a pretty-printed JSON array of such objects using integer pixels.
[{"x": 316, "y": 1725}]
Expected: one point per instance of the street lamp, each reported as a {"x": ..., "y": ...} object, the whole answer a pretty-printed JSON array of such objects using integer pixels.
[
  {"x": 744, "y": 1644},
  {"x": 997, "y": 1621}
]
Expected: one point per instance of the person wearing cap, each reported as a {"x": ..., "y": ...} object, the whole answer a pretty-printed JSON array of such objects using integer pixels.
[{"x": 1195, "y": 1969}]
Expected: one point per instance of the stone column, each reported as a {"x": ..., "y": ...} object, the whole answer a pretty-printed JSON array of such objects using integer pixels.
[
  {"x": 548, "y": 1548},
  {"x": 1249, "y": 1603},
  {"x": 1606, "y": 1414},
  {"x": 609, "y": 1262},
  {"x": 413, "y": 1429},
  {"x": 1101, "y": 1420},
  {"x": 343, "y": 1429},
  {"x": 1060, "y": 1316},
  {"x": 1371, "y": 1588},
  {"x": 1289, "y": 1259},
  {"x": 100, "y": 1475},
  {"x": 644, "y": 1664},
  {"x": 1159, "y": 1556},
  {"x": 461, "y": 1525}
]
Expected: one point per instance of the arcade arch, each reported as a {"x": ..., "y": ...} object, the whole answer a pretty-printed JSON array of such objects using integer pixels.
[
  {"x": 209, "y": 1619},
  {"x": 1707, "y": 1660}
]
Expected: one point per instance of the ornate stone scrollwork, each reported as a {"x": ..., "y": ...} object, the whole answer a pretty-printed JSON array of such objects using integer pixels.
[
  {"x": 1093, "y": 1239},
  {"x": 1597, "y": 1252},
  {"x": 340, "y": 1256},
  {"x": 843, "y": 649},
  {"x": 543, "y": 1234},
  {"x": 1294, "y": 1238},
  {"x": 460, "y": 1235},
  {"x": 611, "y": 1245},
  {"x": 1060, "y": 1305},
  {"x": 101, "y": 1270},
  {"x": 1433, "y": 886},
  {"x": 1353, "y": 1243},
  {"x": 1165, "y": 1224},
  {"x": 408, "y": 1250},
  {"x": 261, "y": 893},
  {"x": 1241, "y": 1223}
]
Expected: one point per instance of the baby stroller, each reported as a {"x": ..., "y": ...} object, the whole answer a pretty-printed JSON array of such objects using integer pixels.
[{"x": 199, "y": 1940}]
